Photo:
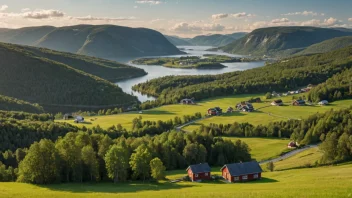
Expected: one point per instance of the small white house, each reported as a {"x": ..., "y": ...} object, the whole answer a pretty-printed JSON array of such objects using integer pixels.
[
  {"x": 79, "y": 119},
  {"x": 323, "y": 102}
]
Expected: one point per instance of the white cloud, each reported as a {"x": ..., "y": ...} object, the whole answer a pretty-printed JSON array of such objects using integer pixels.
[
  {"x": 304, "y": 13},
  {"x": 350, "y": 19},
  {"x": 107, "y": 19},
  {"x": 3, "y": 7},
  {"x": 219, "y": 16},
  {"x": 330, "y": 21},
  {"x": 43, "y": 14},
  {"x": 196, "y": 27},
  {"x": 282, "y": 20},
  {"x": 25, "y": 10},
  {"x": 235, "y": 15},
  {"x": 150, "y": 2}
]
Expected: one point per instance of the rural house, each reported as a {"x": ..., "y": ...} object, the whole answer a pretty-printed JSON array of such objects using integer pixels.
[
  {"x": 67, "y": 116},
  {"x": 277, "y": 102},
  {"x": 79, "y": 119},
  {"x": 229, "y": 110},
  {"x": 323, "y": 102},
  {"x": 199, "y": 172},
  {"x": 292, "y": 144},
  {"x": 245, "y": 106},
  {"x": 254, "y": 100},
  {"x": 298, "y": 103},
  {"x": 215, "y": 111},
  {"x": 187, "y": 101},
  {"x": 241, "y": 172}
]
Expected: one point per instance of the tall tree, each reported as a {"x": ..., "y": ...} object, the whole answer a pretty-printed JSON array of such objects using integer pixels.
[
  {"x": 90, "y": 160},
  {"x": 140, "y": 162},
  {"x": 116, "y": 161},
  {"x": 41, "y": 164},
  {"x": 157, "y": 168}
]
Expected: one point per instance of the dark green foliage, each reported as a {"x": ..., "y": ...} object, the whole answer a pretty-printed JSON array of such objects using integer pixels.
[
  {"x": 276, "y": 40},
  {"x": 285, "y": 75},
  {"x": 327, "y": 46},
  {"x": 270, "y": 166},
  {"x": 216, "y": 40},
  {"x": 55, "y": 86},
  {"x": 13, "y": 104}
]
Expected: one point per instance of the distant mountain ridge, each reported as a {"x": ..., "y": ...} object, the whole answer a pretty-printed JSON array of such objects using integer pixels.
[
  {"x": 104, "y": 41},
  {"x": 274, "y": 41},
  {"x": 215, "y": 40}
]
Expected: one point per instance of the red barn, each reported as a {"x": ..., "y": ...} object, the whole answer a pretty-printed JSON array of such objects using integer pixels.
[
  {"x": 241, "y": 172},
  {"x": 199, "y": 172}
]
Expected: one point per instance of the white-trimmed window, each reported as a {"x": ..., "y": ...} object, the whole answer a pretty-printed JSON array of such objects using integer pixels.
[
  {"x": 196, "y": 175},
  {"x": 206, "y": 174},
  {"x": 236, "y": 178},
  {"x": 244, "y": 177},
  {"x": 255, "y": 176}
]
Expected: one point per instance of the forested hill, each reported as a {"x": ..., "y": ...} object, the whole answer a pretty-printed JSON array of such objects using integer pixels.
[
  {"x": 327, "y": 46},
  {"x": 177, "y": 41},
  {"x": 53, "y": 85},
  {"x": 13, "y": 104},
  {"x": 274, "y": 41},
  {"x": 216, "y": 40},
  {"x": 281, "y": 76},
  {"x": 109, "y": 70},
  {"x": 104, "y": 41}
]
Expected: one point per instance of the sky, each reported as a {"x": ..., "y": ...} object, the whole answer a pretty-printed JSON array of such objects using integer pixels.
[{"x": 184, "y": 18}]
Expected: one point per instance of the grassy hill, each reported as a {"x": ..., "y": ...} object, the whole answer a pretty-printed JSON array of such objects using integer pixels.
[
  {"x": 104, "y": 41},
  {"x": 310, "y": 182},
  {"x": 327, "y": 46},
  {"x": 54, "y": 85},
  {"x": 275, "y": 40},
  {"x": 109, "y": 70},
  {"x": 216, "y": 40},
  {"x": 13, "y": 104}
]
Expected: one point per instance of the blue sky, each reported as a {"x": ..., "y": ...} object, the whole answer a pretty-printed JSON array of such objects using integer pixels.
[{"x": 185, "y": 18}]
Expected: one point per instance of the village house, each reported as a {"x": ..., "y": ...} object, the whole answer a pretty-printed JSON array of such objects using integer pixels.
[
  {"x": 299, "y": 103},
  {"x": 199, "y": 172},
  {"x": 245, "y": 106},
  {"x": 323, "y": 102},
  {"x": 229, "y": 110},
  {"x": 277, "y": 102},
  {"x": 254, "y": 100},
  {"x": 292, "y": 144},
  {"x": 241, "y": 172},
  {"x": 187, "y": 101},
  {"x": 67, "y": 116},
  {"x": 79, "y": 119}
]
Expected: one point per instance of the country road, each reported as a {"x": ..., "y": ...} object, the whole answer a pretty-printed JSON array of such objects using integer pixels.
[
  {"x": 289, "y": 154},
  {"x": 178, "y": 128}
]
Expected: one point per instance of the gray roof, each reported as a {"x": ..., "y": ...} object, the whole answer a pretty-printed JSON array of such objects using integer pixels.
[
  {"x": 244, "y": 168},
  {"x": 199, "y": 168}
]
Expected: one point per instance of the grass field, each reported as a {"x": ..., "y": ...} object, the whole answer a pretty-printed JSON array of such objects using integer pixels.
[
  {"x": 264, "y": 148},
  {"x": 263, "y": 115},
  {"x": 304, "y": 159},
  {"x": 334, "y": 181}
]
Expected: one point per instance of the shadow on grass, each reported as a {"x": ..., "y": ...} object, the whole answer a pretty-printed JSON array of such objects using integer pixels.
[{"x": 113, "y": 188}]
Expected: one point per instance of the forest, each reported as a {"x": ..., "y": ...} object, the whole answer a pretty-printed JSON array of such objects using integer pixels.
[{"x": 288, "y": 74}]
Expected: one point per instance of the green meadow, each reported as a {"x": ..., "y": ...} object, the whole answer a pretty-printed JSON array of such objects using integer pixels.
[
  {"x": 334, "y": 181},
  {"x": 264, "y": 114}
]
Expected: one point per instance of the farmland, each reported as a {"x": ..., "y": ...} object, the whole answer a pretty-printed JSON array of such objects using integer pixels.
[
  {"x": 263, "y": 115},
  {"x": 331, "y": 181}
]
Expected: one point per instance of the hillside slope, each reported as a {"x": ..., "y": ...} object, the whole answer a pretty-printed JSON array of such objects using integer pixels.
[
  {"x": 215, "y": 40},
  {"x": 177, "y": 41},
  {"x": 53, "y": 85},
  {"x": 13, "y": 104},
  {"x": 104, "y": 41},
  {"x": 327, "y": 46},
  {"x": 109, "y": 70},
  {"x": 274, "y": 40}
]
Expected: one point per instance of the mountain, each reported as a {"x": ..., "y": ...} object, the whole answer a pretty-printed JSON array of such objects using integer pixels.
[
  {"x": 177, "y": 41},
  {"x": 215, "y": 40},
  {"x": 104, "y": 41},
  {"x": 328, "y": 45},
  {"x": 275, "y": 40},
  {"x": 56, "y": 86},
  {"x": 13, "y": 104},
  {"x": 109, "y": 70}
]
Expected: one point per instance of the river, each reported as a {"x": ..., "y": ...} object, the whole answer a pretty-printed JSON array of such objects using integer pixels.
[{"x": 160, "y": 71}]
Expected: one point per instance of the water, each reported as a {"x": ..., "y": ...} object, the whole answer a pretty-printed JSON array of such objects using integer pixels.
[{"x": 160, "y": 71}]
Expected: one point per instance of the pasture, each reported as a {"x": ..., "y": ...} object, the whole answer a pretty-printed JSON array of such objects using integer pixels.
[
  {"x": 334, "y": 181},
  {"x": 265, "y": 113}
]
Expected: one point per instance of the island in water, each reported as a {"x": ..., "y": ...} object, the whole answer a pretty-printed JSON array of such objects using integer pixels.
[{"x": 208, "y": 61}]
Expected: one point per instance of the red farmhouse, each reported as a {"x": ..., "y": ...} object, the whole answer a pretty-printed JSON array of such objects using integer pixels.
[
  {"x": 199, "y": 172},
  {"x": 241, "y": 172}
]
